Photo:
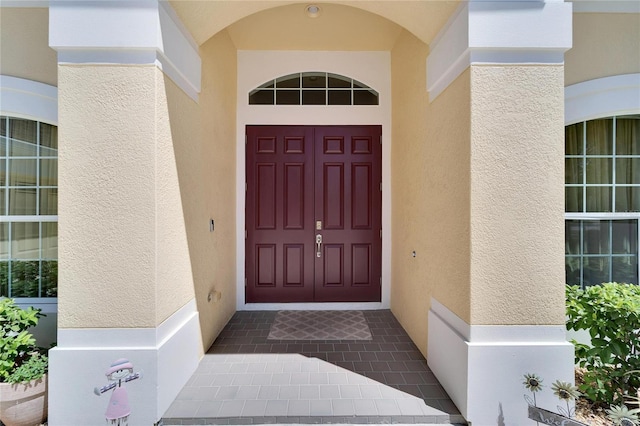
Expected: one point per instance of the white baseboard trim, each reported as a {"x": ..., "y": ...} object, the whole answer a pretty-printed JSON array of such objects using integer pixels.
[
  {"x": 166, "y": 357},
  {"x": 331, "y": 306},
  {"x": 482, "y": 367}
]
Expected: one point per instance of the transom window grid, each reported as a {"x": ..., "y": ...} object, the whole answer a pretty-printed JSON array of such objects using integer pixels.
[
  {"x": 28, "y": 208},
  {"x": 313, "y": 88},
  {"x": 602, "y": 200}
]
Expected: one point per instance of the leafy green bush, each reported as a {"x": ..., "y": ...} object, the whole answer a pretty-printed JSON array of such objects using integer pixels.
[
  {"x": 611, "y": 315},
  {"x": 17, "y": 345},
  {"x": 33, "y": 368}
]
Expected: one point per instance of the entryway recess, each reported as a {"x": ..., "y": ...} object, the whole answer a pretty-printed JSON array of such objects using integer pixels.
[{"x": 313, "y": 214}]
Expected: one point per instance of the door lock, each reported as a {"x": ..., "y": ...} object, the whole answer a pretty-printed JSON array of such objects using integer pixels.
[{"x": 319, "y": 245}]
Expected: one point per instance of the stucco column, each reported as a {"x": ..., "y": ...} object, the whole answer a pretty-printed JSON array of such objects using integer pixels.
[
  {"x": 514, "y": 53},
  {"x": 125, "y": 282}
]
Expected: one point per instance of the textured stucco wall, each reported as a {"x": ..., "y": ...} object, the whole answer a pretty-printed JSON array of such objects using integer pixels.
[
  {"x": 430, "y": 184},
  {"x": 124, "y": 256},
  {"x": 604, "y": 44},
  {"x": 107, "y": 120},
  {"x": 517, "y": 195},
  {"x": 338, "y": 28},
  {"x": 24, "y": 45},
  {"x": 213, "y": 190},
  {"x": 177, "y": 126}
]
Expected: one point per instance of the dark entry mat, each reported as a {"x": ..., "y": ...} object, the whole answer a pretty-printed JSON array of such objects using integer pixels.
[{"x": 319, "y": 325}]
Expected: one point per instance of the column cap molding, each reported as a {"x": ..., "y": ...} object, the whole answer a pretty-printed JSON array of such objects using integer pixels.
[
  {"x": 138, "y": 32},
  {"x": 499, "y": 32}
]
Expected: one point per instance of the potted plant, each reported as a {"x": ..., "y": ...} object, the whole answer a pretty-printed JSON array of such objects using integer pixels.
[{"x": 23, "y": 367}]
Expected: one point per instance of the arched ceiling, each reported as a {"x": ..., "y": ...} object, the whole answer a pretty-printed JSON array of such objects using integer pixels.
[{"x": 205, "y": 18}]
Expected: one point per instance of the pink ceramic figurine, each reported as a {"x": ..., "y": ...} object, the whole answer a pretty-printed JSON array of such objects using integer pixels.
[{"x": 120, "y": 372}]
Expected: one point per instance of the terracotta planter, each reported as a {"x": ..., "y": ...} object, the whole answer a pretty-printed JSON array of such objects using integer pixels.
[{"x": 24, "y": 404}]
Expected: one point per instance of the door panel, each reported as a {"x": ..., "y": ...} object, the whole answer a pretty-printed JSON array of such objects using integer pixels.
[
  {"x": 279, "y": 214},
  {"x": 298, "y": 176},
  {"x": 348, "y": 165}
]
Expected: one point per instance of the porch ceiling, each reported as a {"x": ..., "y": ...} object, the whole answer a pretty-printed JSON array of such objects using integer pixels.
[{"x": 423, "y": 19}]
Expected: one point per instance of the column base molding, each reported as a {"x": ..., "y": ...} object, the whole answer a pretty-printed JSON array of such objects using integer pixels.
[
  {"x": 165, "y": 356},
  {"x": 482, "y": 367}
]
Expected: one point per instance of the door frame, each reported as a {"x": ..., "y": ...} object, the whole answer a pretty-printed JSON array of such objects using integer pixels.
[{"x": 255, "y": 68}]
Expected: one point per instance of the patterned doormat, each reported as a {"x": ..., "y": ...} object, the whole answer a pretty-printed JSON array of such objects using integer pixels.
[{"x": 319, "y": 325}]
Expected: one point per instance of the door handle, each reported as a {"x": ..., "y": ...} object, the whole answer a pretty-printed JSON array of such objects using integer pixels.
[{"x": 319, "y": 245}]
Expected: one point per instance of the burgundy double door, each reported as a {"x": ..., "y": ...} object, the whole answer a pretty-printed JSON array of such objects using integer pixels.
[{"x": 313, "y": 214}]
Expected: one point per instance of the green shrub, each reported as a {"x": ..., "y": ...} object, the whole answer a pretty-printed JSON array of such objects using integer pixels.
[
  {"x": 33, "y": 368},
  {"x": 611, "y": 315},
  {"x": 17, "y": 345}
]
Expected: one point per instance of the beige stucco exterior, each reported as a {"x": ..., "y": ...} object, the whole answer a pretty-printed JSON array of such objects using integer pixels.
[
  {"x": 206, "y": 18},
  {"x": 340, "y": 27},
  {"x": 184, "y": 168},
  {"x": 430, "y": 184},
  {"x": 517, "y": 197},
  {"x": 210, "y": 194},
  {"x": 155, "y": 178},
  {"x": 150, "y": 154},
  {"x": 124, "y": 259},
  {"x": 604, "y": 44},
  {"x": 24, "y": 45}
]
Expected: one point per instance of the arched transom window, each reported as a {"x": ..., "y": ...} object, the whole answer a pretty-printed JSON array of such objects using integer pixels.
[{"x": 313, "y": 88}]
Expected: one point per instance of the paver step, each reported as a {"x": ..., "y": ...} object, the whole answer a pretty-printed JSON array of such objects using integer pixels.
[{"x": 291, "y": 389}]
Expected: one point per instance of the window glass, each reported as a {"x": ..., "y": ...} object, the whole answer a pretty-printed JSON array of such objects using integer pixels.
[
  {"x": 628, "y": 135},
  {"x": 49, "y": 172},
  {"x": 22, "y": 201},
  {"x": 4, "y": 241},
  {"x": 25, "y": 240},
  {"x": 49, "y": 201},
  {"x": 29, "y": 190},
  {"x": 573, "y": 171},
  {"x": 599, "y": 170},
  {"x": 602, "y": 177},
  {"x": 22, "y": 172},
  {"x": 314, "y": 80},
  {"x": 313, "y": 88},
  {"x": 49, "y": 240},
  {"x": 365, "y": 97},
  {"x": 25, "y": 280},
  {"x": 573, "y": 139},
  {"x": 625, "y": 269},
  {"x": 600, "y": 137},
  {"x": 339, "y": 97},
  {"x": 624, "y": 234},
  {"x": 48, "y": 140},
  {"x": 338, "y": 81},
  {"x": 288, "y": 97},
  {"x": 314, "y": 97},
  {"x": 596, "y": 270},
  {"x": 290, "y": 81},
  {"x": 261, "y": 97},
  {"x": 599, "y": 199}
]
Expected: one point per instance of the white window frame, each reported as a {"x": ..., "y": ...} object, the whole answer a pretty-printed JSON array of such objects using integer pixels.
[
  {"x": 30, "y": 100},
  {"x": 606, "y": 97}
]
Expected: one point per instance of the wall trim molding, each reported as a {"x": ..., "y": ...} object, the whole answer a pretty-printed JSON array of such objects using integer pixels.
[
  {"x": 28, "y": 99},
  {"x": 129, "y": 33},
  {"x": 509, "y": 32},
  {"x": 372, "y": 68},
  {"x": 602, "y": 97},
  {"x": 606, "y": 6},
  {"x": 482, "y": 366},
  {"x": 166, "y": 355}
]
